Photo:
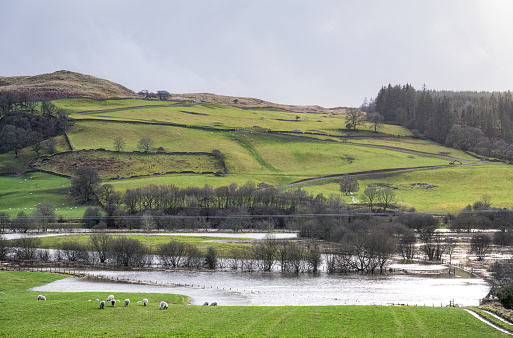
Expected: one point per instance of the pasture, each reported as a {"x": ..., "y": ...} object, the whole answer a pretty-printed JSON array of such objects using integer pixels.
[
  {"x": 299, "y": 148},
  {"x": 123, "y": 165},
  {"x": 72, "y": 314},
  {"x": 456, "y": 186}
]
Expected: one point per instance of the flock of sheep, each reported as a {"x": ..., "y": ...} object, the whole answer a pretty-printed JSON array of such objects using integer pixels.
[{"x": 112, "y": 301}]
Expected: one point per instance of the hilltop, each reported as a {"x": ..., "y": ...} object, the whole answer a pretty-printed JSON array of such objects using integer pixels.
[
  {"x": 67, "y": 84},
  {"x": 252, "y": 103},
  {"x": 64, "y": 84}
]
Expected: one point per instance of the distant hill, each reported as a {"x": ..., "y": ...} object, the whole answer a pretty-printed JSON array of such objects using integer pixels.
[
  {"x": 66, "y": 84},
  {"x": 63, "y": 84},
  {"x": 248, "y": 103}
]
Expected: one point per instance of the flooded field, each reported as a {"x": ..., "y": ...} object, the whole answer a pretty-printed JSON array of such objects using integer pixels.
[{"x": 276, "y": 289}]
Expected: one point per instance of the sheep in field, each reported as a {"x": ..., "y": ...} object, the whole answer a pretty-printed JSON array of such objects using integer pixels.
[
  {"x": 213, "y": 304},
  {"x": 41, "y": 297},
  {"x": 127, "y": 301},
  {"x": 163, "y": 305},
  {"x": 205, "y": 304},
  {"x": 111, "y": 297},
  {"x": 102, "y": 304},
  {"x": 145, "y": 301},
  {"x": 112, "y": 302}
]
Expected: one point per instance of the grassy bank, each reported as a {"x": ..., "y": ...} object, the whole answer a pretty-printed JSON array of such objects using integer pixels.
[{"x": 67, "y": 314}]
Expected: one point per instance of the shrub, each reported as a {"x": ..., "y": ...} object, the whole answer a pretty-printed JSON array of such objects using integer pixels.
[
  {"x": 74, "y": 252},
  {"x": 211, "y": 258},
  {"x": 129, "y": 252},
  {"x": 505, "y": 295},
  {"x": 26, "y": 248}
]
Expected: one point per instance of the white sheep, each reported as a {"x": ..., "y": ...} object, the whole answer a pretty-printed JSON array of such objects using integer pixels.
[
  {"x": 163, "y": 305},
  {"x": 41, "y": 297},
  {"x": 145, "y": 301},
  {"x": 112, "y": 302},
  {"x": 111, "y": 297},
  {"x": 102, "y": 304},
  {"x": 127, "y": 301}
]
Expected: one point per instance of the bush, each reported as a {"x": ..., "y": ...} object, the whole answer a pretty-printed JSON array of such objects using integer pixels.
[
  {"x": 25, "y": 248},
  {"x": 417, "y": 221},
  {"x": 211, "y": 258},
  {"x": 129, "y": 252},
  {"x": 73, "y": 252},
  {"x": 505, "y": 295}
]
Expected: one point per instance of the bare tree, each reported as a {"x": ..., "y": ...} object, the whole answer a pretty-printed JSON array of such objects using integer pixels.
[
  {"x": 145, "y": 144},
  {"x": 480, "y": 245},
  {"x": 370, "y": 197},
  {"x": 387, "y": 197},
  {"x": 406, "y": 245},
  {"x": 376, "y": 119},
  {"x": 25, "y": 248},
  {"x": 4, "y": 247},
  {"x": 265, "y": 253},
  {"x": 43, "y": 216},
  {"x": 354, "y": 117},
  {"x": 172, "y": 253},
  {"x": 450, "y": 246},
  {"x": 74, "y": 252},
  {"x": 119, "y": 143},
  {"x": 349, "y": 184},
  {"x": 101, "y": 246}
]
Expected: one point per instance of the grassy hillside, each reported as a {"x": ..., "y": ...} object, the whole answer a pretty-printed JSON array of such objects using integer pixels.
[
  {"x": 264, "y": 145},
  {"x": 72, "y": 314},
  {"x": 64, "y": 84}
]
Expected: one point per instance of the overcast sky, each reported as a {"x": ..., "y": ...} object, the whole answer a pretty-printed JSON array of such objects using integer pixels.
[{"x": 328, "y": 53}]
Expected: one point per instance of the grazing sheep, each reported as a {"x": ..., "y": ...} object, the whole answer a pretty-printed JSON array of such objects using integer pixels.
[
  {"x": 163, "y": 305},
  {"x": 127, "y": 301},
  {"x": 213, "y": 304},
  {"x": 145, "y": 301},
  {"x": 112, "y": 302},
  {"x": 102, "y": 304},
  {"x": 205, "y": 304},
  {"x": 117, "y": 300},
  {"x": 41, "y": 297},
  {"x": 97, "y": 300},
  {"x": 111, "y": 297}
]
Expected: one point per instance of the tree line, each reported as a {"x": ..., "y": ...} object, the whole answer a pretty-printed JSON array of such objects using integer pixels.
[
  {"x": 120, "y": 251},
  {"x": 481, "y": 122}
]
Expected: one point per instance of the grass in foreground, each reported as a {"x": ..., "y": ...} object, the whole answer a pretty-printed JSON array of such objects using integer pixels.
[{"x": 66, "y": 314}]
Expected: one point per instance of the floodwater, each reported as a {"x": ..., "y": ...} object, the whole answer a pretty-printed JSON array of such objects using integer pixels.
[
  {"x": 237, "y": 235},
  {"x": 277, "y": 289}
]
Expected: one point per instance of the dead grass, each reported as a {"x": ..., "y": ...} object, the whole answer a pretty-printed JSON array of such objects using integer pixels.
[{"x": 65, "y": 84}]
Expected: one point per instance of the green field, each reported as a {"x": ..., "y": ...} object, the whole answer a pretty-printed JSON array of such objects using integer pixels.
[
  {"x": 72, "y": 314},
  {"x": 153, "y": 241},
  {"x": 302, "y": 146}
]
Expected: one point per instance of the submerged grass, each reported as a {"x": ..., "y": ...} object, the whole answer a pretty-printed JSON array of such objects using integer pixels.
[{"x": 72, "y": 314}]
